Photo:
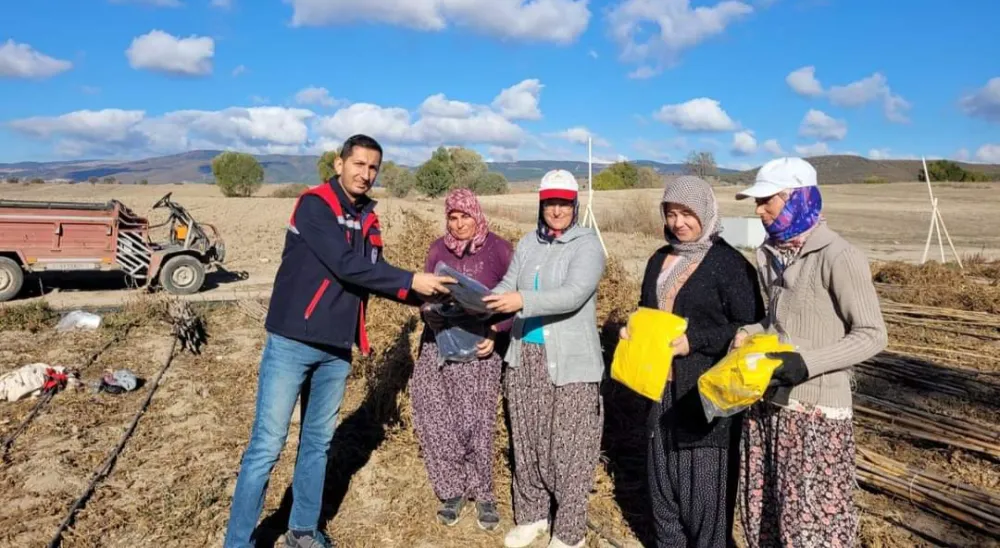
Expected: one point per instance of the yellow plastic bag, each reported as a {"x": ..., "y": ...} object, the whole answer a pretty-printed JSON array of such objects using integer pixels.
[
  {"x": 642, "y": 362},
  {"x": 740, "y": 378}
]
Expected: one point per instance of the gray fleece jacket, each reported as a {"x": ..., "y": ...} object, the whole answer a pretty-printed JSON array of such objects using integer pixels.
[{"x": 570, "y": 268}]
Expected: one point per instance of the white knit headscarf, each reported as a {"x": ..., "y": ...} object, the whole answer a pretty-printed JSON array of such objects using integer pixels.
[{"x": 697, "y": 195}]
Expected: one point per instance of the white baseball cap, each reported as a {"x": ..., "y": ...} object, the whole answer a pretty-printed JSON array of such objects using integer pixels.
[
  {"x": 780, "y": 174},
  {"x": 558, "y": 183}
]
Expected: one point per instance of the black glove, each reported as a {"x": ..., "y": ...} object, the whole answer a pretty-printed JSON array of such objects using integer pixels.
[{"x": 792, "y": 370}]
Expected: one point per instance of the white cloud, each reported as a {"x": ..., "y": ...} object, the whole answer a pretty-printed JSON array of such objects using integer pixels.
[
  {"x": 408, "y": 133},
  {"x": 259, "y": 100},
  {"x": 962, "y": 154},
  {"x": 822, "y": 126},
  {"x": 162, "y": 52},
  {"x": 989, "y": 154},
  {"x": 983, "y": 103},
  {"x": 815, "y": 149},
  {"x": 579, "y": 135},
  {"x": 774, "y": 147},
  {"x": 502, "y": 154},
  {"x": 520, "y": 101},
  {"x": 678, "y": 27},
  {"x": 119, "y": 132},
  {"x": 643, "y": 73},
  {"x": 879, "y": 154},
  {"x": 440, "y": 106},
  {"x": 557, "y": 21},
  {"x": 701, "y": 114},
  {"x": 241, "y": 69},
  {"x": 316, "y": 96},
  {"x": 90, "y": 90},
  {"x": 803, "y": 81},
  {"x": 223, "y": 4},
  {"x": 23, "y": 61},
  {"x": 744, "y": 143},
  {"x": 592, "y": 54},
  {"x": 873, "y": 88}
]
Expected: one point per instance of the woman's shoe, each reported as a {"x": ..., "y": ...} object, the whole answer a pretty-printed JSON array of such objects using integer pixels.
[
  {"x": 487, "y": 516},
  {"x": 556, "y": 543},
  {"x": 451, "y": 511},
  {"x": 522, "y": 536}
]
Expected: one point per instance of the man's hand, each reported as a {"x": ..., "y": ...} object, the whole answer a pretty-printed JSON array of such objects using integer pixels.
[
  {"x": 681, "y": 346},
  {"x": 432, "y": 319},
  {"x": 504, "y": 304},
  {"x": 430, "y": 285},
  {"x": 485, "y": 347}
]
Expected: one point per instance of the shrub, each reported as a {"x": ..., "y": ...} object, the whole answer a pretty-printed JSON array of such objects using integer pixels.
[
  {"x": 874, "y": 180},
  {"x": 289, "y": 191}
]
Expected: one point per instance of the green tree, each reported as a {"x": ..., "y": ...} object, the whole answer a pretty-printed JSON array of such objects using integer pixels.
[
  {"x": 649, "y": 178},
  {"x": 142, "y": 182},
  {"x": 946, "y": 170},
  {"x": 13, "y": 180},
  {"x": 109, "y": 180},
  {"x": 627, "y": 172},
  {"x": 490, "y": 183},
  {"x": 37, "y": 181},
  {"x": 92, "y": 180},
  {"x": 396, "y": 179},
  {"x": 325, "y": 165},
  {"x": 467, "y": 166},
  {"x": 435, "y": 176},
  {"x": 608, "y": 180},
  {"x": 701, "y": 164},
  {"x": 238, "y": 174}
]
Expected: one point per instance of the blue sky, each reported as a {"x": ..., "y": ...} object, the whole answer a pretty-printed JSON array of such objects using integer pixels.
[{"x": 648, "y": 79}]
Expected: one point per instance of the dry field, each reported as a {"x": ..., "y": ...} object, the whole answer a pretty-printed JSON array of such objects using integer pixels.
[{"x": 172, "y": 483}]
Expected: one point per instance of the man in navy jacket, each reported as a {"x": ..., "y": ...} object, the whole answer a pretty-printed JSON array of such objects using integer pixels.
[{"x": 332, "y": 260}]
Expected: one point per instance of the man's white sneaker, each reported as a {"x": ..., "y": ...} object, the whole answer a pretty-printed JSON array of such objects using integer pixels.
[
  {"x": 522, "y": 536},
  {"x": 556, "y": 543}
]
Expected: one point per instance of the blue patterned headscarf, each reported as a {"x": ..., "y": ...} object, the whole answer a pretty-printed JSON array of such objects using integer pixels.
[{"x": 802, "y": 211}]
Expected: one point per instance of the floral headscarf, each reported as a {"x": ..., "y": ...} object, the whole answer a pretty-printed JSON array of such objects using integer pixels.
[
  {"x": 802, "y": 212},
  {"x": 465, "y": 201}
]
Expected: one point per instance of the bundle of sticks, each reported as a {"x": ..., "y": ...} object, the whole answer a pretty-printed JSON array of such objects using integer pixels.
[
  {"x": 926, "y": 425},
  {"x": 253, "y": 309},
  {"x": 961, "y": 322},
  {"x": 931, "y": 377},
  {"x": 974, "y": 507}
]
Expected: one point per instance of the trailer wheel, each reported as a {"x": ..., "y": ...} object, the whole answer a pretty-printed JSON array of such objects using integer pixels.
[
  {"x": 182, "y": 275},
  {"x": 11, "y": 279}
]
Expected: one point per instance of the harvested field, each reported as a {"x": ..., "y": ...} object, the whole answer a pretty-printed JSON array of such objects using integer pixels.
[{"x": 172, "y": 484}]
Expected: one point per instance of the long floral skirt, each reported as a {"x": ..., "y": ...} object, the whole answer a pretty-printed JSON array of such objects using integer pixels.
[
  {"x": 454, "y": 415},
  {"x": 797, "y": 478}
]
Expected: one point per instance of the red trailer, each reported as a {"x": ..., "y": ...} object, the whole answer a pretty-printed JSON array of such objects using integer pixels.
[{"x": 67, "y": 236}]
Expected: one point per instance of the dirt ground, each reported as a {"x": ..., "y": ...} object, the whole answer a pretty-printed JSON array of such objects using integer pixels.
[{"x": 172, "y": 484}]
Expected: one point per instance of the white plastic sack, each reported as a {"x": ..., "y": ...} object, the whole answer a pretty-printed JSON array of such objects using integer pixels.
[{"x": 78, "y": 319}]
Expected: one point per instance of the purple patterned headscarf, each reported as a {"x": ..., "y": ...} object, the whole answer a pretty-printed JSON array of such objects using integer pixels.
[{"x": 801, "y": 213}]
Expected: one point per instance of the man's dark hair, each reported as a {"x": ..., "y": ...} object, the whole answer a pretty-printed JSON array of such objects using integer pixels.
[{"x": 361, "y": 141}]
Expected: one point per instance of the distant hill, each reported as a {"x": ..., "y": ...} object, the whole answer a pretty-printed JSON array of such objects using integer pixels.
[
  {"x": 196, "y": 166},
  {"x": 839, "y": 169}
]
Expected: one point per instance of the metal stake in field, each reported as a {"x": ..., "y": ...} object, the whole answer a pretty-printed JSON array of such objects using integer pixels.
[
  {"x": 589, "y": 220},
  {"x": 937, "y": 224}
]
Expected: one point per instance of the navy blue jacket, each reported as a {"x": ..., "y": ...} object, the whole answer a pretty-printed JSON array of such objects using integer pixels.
[{"x": 332, "y": 260}]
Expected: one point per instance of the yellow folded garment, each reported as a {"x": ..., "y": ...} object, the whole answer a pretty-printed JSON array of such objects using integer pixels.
[
  {"x": 741, "y": 378},
  {"x": 642, "y": 362}
]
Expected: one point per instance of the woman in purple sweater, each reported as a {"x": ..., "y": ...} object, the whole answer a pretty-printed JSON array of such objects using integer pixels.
[{"x": 454, "y": 405}]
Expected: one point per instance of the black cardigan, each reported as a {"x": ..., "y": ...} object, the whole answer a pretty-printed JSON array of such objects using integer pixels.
[{"x": 721, "y": 296}]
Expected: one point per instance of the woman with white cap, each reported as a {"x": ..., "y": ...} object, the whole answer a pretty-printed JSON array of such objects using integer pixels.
[
  {"x": 555, "y": 368},
  {"x": 797, "y": 472}
]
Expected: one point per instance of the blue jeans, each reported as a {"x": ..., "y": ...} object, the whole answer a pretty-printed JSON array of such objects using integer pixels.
[{"x": 285, "y": 367}]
